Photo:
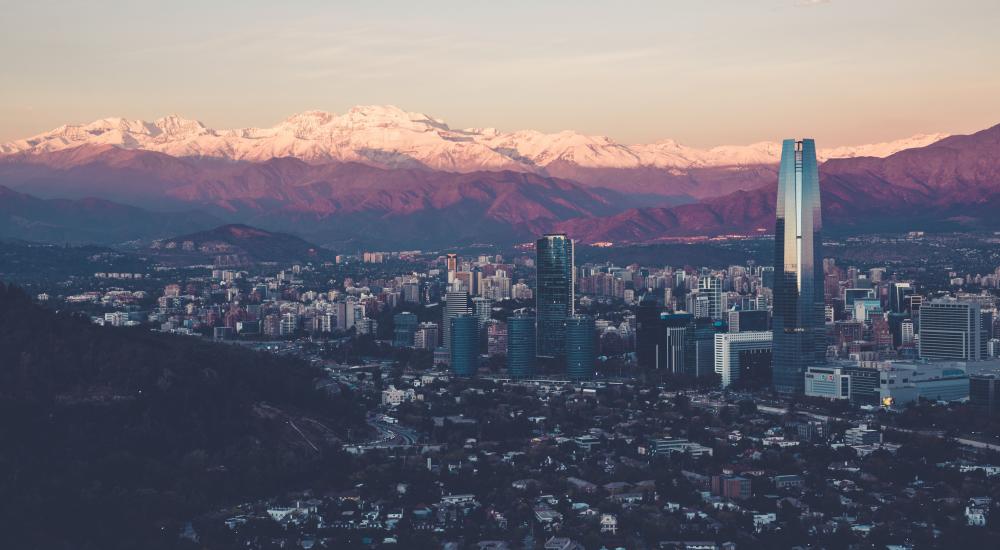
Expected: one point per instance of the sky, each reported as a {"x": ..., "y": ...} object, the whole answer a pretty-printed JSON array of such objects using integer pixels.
[{"x": 702, "y": 72}]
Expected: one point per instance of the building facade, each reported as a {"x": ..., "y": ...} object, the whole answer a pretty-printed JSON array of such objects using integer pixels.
[
  {"x": 798, "y": 320},
  {"x": 554, "y": 292},
  {"x": 743, "y": 355}
]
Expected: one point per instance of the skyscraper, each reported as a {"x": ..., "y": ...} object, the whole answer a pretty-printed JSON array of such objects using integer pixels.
[
  {"x": 898, "y": 292},
  {"x": 554, "y": 296},
  {"x": 404, "y": 326},
  {"x": 798, "y": 322},
  {"x": 711, "y": 288},
  {"x": 650, "y": 335},
  {"x": 464, "y": 345},
  {"x": 520, "y": 346},
  {"x": 581, "y": 348},
  {"x": 457, "y": 303}
]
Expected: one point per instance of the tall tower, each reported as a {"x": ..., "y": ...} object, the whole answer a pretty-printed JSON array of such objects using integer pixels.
[
  {"x": 520, "y": 346},
  {"x": 457, "y": 303},
  {"x": 712, "y": 287},
  {"x": 464, "y": 345},
  {"x": 799, "y": 330},
  {"x": 554, "y": 296},
  {"x": 581, "y": 348}
]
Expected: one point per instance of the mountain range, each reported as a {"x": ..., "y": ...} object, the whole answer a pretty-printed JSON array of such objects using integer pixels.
[{"x": 379, "y": 176}]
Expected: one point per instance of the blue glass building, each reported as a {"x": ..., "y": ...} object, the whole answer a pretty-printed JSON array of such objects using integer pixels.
[
  {"x": 798, "y": 321},
  {"x": 581, "y": 348},
  {"x": 464, "y": 345},
  {"x": 404, "y": 325},
  {"x": 554, "y": 293},
  {"x": 521, "y": 346}
]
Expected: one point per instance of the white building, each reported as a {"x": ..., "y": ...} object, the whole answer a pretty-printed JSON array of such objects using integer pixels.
[
  {"x": 393, "y": 396},
  {"x": 828, "y": 382},
  {"x": 737, "y": 353},
  {"x": 609, "y": 523}
]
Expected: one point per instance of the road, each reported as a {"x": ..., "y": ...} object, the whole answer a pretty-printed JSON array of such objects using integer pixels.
[{"x": 390, "y": 435}]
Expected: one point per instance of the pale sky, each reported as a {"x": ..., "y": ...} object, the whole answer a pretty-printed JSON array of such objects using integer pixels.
[{"x": 703, "y": 72}]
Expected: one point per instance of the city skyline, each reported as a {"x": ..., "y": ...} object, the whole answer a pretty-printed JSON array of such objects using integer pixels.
[{"x": 500, "y": 276}]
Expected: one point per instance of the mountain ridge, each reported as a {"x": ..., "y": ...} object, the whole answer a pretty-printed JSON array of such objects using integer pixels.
[{"x": 389, "y": 137}]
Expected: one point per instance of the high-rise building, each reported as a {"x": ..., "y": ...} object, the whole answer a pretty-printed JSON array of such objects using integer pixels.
[
  {"x": 456, "y": 303},
  {"x": 747, "y": 320},
  {"x": 464, "y": 345},
  {"x": 951, "y": 329},
  {"x": 554, "y": 292},
  {"x": 496, "y": 337},
  {"x": 679, "y": 354},
  {"x": 711, "y": 288},
  {"x": 426, "y": 336},
  {"x": 798, "y": 321},
  {"x": 521, "y": 346},
  {"x": 864, "y": 384},
  {"x": 650, "y": 336},
  {"x": 898, "y": 293},
  {"x": 984, "y": 393},
  {"x": 743, "y": 356},
  {"x": 581, "y": 347},
  {"x": 404, "y": 326}
]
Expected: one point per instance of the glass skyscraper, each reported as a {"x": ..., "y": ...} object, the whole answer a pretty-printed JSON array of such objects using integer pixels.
[
  {"x": 464, "y": 345},
  {"x": 581, "y": 348},
  {"x": 457, "y": 303},
  {"x": 798, "y": 322},
  {"x": 554, "y": 296},
  {"x": 520, "y": 346}
]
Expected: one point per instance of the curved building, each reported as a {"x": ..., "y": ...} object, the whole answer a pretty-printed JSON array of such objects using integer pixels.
[
  {"x": 580, "y": 347},
  {"x": 798, "y": 321},
  {"x": 554, "y": 292},
  {"x": 521, "y": 346},
  {"x": 464, "y": 345}
]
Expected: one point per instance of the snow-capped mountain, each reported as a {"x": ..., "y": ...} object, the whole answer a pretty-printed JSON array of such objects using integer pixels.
[{"x": 389, "y": 137}]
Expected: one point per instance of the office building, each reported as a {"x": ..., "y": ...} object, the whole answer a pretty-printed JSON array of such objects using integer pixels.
[
  {"x": 702, "y": 344},
  {"x": 864, "y": 384},
  {"x": 747, "y": 320},
  {"x": 521, "y": 346},
  {"x": 556, "y": 278},
  {"x": 404, "y": 326},
  {"x": 426, "y": 336},
  {"x": 678, "y": 354},
  {"x": 984, "y": 393},
  {"x": 650, "y": 336},
  {"x": 862, "y": 435},
  {"x": 581, "y": 347},
  {"x": 743, "y": 356},
  {"x": 456, "y": 304},
  {"x": 464, "y": 345},
  {"x": 798, "y": 323},
  {"x": 827, "y": 381},
  {"x": 710, "y": 288},
  {"x": 950, "y": 329},
  {"x": 898, "y": 297}
]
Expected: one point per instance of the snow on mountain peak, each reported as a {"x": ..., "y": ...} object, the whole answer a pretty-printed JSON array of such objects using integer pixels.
[{"x": 388, "y": 136}]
